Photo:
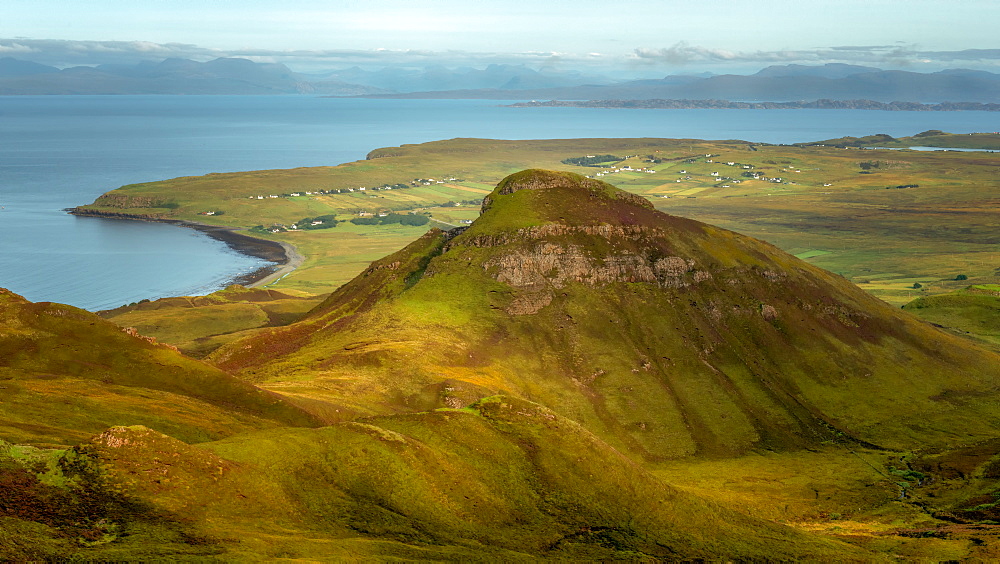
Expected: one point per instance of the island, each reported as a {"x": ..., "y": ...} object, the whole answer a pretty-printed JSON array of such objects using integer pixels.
[{"x": 711, "y": 104}]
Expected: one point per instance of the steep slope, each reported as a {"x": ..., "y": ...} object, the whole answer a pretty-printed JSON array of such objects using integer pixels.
[
  {"x": 505, "y": 480},
  {"x": 66, "y": 374},
  {"x": 665, "y": 336}
]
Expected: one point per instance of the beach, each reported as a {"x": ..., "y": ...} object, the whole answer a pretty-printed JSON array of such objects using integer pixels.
[{"x": 293, "y": 261}]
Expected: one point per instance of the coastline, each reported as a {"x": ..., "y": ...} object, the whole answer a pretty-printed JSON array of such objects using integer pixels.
[
  {"x": 293, "y": 261},
  {"x": 285, "y": 256}
]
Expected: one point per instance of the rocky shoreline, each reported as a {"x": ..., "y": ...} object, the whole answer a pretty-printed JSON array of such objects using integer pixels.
[{"x": 284, "y": 256}]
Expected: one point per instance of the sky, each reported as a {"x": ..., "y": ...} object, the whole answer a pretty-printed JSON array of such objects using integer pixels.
[{"x": 624, "y": 37}]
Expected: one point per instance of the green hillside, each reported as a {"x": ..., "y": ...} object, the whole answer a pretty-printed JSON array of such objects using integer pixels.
[
  {"x": 503, "y": 480},
  {"x": 198, "y": 325},
  {"x": 973, "y": 312},
  {"x": 664, "y": 336},
  {"x": 67, "y": 374}
]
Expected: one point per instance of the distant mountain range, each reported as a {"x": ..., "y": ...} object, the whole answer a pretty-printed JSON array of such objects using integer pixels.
[
  {"x": 781, "y": 83},
  {"x": 437, "y": 78},
  {"x": 774, "y": 84},
  {"x": 171, "y": 76}
]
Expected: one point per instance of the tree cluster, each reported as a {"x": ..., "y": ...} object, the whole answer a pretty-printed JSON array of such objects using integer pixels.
[
  {"x": 592, "y": 160},
  {"x": 408, "y": 219}
]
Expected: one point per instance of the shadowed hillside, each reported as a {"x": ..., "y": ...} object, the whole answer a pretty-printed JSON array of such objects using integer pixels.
[{"x": 665, "y": 336}]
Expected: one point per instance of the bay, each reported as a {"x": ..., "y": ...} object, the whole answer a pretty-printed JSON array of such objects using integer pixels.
[{"x": 62, "y": 151}]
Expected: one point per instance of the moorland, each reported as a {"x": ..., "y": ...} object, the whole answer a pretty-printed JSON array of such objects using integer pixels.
[{"x": 584, "y": 349}]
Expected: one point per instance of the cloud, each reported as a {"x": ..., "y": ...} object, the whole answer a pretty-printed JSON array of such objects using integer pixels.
[
  {"x": 63, "y": 53},
  {"x": 966, "y": 55}
]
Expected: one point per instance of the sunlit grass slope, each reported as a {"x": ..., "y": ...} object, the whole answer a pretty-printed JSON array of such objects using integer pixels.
[
  {"x": 198, "y": 325},
  {"x": 665, "y": 336},
  {"x": 66, "y": 374},
  {"x": 502, "y": 480},
  {"x": 973, "y": 311}
]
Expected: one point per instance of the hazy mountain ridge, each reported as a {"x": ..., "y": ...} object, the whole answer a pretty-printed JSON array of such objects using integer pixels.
[
  {"x": 171, "y": 76},
  {"x": 502, "y": 77},
  {"x": 776, "y": 85},
  {"x": 782, "y": 83}
]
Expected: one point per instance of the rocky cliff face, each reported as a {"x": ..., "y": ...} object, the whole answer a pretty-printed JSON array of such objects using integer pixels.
[{"x": 540, "y": 265}]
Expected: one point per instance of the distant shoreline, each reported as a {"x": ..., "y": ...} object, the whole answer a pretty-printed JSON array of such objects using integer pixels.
[
  {"x": 665, "y": 104},
  {"x": 285, "y": 256}
]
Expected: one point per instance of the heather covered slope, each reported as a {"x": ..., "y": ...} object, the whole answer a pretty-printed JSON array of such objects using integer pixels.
[
  {"x": 664, "y": 336},
  {"x": 66, "y": 374}
]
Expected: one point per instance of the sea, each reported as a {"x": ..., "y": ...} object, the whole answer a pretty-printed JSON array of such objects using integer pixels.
[{"x": 57, "y": 152}]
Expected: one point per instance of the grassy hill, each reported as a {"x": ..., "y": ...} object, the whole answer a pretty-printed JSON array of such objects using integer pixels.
[
  {"x": 198, "y": 325},
  {"x": 664, "y": 336},
  {"x": 502, "y": 480},
  {"x": 67, "y": 374},
  {"x": 973, "y": 312},
  {"x": 885, "y": 220}
]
